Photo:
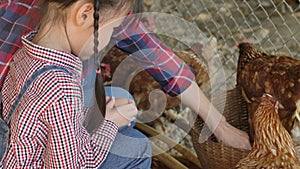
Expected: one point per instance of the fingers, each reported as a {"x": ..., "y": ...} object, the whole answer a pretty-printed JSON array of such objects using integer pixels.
[
  {"x": 110, "y": 102},
  {"x": 242, "y": 139},
  {"x": 122, "y": 112},
  {"x": 234, "y": 137},
  {"x": 107, "y": 99},
  {"x": 128, "y": 111},
  {"x": 127, "y": 108},
  {"x": 247, "y": 145}
]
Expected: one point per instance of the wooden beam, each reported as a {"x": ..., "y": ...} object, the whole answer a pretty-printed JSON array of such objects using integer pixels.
[
  {"x": 192, "y": 157},
  {"x": 166, "y": 158}
]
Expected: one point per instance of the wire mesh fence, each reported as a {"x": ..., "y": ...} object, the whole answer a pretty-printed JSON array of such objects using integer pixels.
[{"x": 273, "y": 26}]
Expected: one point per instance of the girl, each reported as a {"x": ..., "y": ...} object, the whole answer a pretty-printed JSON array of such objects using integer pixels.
[{"x": 47, "y": 126}]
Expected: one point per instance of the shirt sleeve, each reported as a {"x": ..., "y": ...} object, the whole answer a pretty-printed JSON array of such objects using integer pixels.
[
  {"x": 173, "y": 75},
  {"x": 69, "y": 144},
  {"x": 17, "y": 17}
]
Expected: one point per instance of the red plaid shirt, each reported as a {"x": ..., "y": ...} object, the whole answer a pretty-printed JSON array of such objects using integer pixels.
[
  {"x": 165, "y": 67},
  {"x": 47, "y": 126}
]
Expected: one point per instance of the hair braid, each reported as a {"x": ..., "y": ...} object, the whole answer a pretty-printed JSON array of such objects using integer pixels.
[{"x": 99, "y": 86}]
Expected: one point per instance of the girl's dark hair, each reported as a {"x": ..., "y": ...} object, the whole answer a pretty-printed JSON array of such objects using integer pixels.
[
  {"x": 99, "y": 86},
  {"x": 137, "y": 5}
]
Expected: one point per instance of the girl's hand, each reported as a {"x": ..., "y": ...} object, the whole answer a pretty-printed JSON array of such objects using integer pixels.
[
  {"x": 120, "y": 112},
  {"x": 232, "y": 136}
]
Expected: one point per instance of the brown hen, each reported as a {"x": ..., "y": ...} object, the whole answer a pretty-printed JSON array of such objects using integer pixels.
[
  {"x": 277, "y": 75},
  {"x": 273, "y": 146}
]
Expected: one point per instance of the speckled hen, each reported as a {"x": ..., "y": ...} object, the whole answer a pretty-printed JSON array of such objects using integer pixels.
[{"x": 273, "y": 146}]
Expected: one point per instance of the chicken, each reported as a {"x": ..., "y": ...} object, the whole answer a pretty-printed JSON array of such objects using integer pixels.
[
  {"x": 273, "y": 146},
  {"x": 142, "y": 86},
  {"x": 277, "y": 75}
]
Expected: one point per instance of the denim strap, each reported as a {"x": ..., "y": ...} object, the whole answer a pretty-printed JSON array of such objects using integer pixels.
[{"x": 28, "y": 83}]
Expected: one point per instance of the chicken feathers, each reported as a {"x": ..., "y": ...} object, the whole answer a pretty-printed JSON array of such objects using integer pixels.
[{"x": 273, "y": 146}]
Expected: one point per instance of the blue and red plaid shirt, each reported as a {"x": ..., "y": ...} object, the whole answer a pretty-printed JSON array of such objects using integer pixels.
[
  {"x": 17, "y": 18},
  {"x": 174, "y": 76}
]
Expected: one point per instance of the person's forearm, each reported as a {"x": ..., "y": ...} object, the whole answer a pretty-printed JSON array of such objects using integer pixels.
[{"x": 194, "y": 98}]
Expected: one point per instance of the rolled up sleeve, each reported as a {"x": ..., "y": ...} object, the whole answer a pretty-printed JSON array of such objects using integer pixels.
[{"x": 173, "y": 75}]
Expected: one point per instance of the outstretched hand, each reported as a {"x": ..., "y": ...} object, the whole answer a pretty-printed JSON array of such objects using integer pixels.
[{"x": 232, "y": 136}]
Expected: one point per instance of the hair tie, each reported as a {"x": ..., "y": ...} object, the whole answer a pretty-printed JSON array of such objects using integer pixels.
[{"x": 98, "y": 71}]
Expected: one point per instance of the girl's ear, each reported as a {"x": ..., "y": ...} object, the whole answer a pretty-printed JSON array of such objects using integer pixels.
[{"x": 82, "y": 14}]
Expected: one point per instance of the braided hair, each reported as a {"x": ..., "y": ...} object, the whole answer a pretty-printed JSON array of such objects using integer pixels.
[{"x": 99, "y": 86}]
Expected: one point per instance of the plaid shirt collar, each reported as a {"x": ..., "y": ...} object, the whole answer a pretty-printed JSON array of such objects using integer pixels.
[{"x": 51, "y": 56}]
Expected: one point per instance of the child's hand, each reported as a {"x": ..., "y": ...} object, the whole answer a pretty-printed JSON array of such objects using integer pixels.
[
  {"x": 232, "y": 136},
  {"x": 120, "y": 113}
]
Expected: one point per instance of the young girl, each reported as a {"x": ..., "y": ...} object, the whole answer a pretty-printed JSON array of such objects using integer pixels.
[{"x": 47, "y": 126}]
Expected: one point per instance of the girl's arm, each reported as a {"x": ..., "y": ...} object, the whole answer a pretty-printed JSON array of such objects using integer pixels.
[
  {"x": 194, "y": 98},
  {"x": 69, "y": 144},
  {"x": 69, "y": 139},
  {"x": 175, "y": 78}
]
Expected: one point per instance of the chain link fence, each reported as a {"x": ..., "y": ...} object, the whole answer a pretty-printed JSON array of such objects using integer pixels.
[{"x": 273, "y": 26}]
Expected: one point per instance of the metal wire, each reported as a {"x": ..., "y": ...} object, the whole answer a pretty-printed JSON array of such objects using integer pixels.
[{"x": 273, "y": 26}]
